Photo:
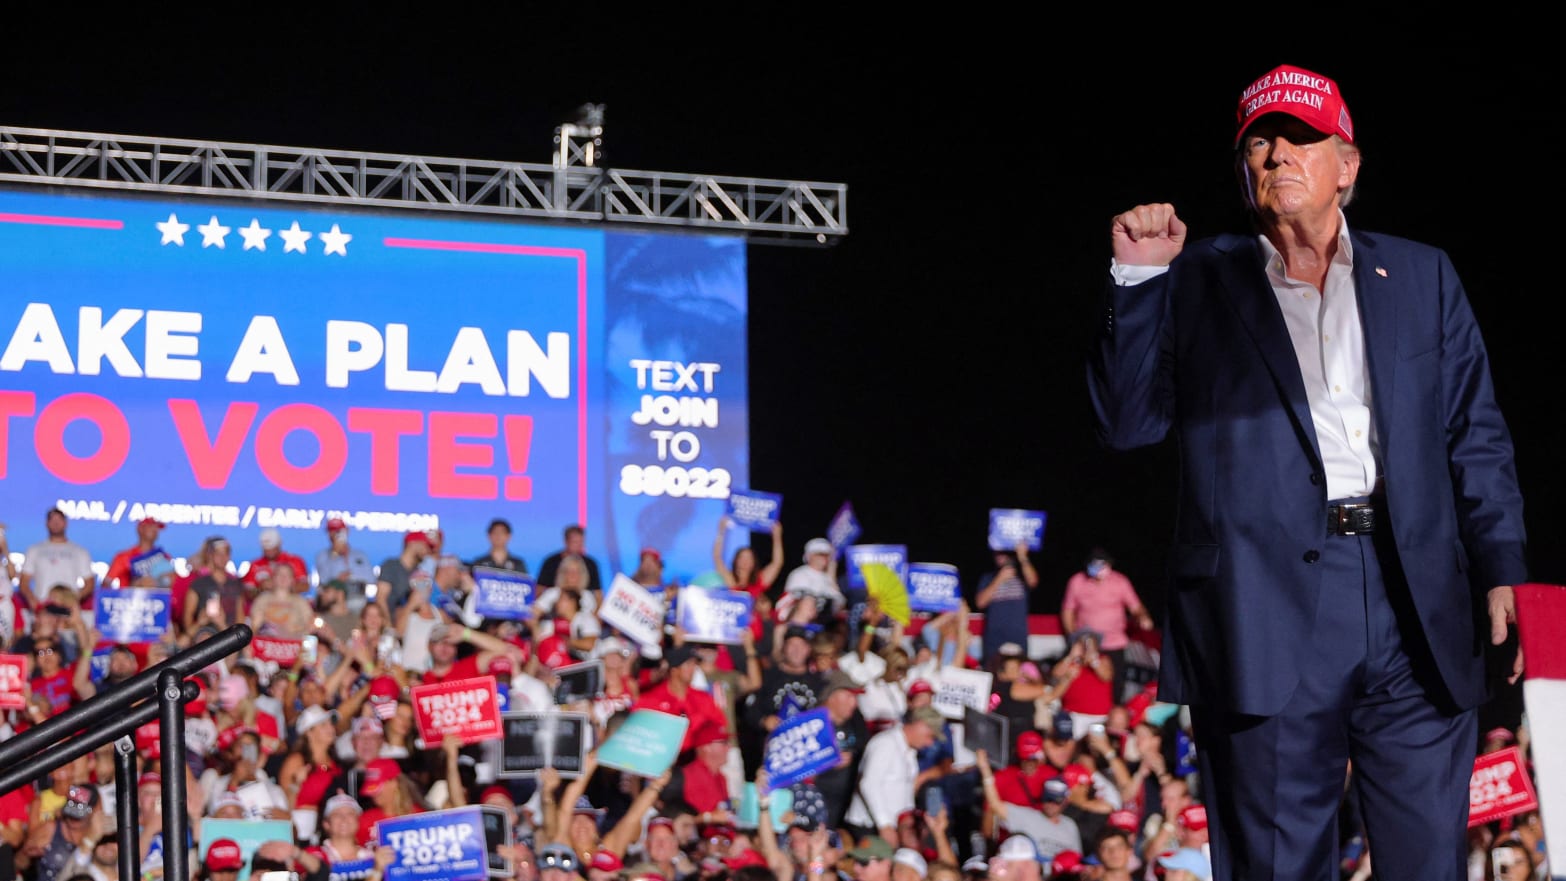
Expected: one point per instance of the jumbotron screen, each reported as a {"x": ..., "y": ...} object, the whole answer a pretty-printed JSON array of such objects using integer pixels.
[{"x": 231, "y": 366}]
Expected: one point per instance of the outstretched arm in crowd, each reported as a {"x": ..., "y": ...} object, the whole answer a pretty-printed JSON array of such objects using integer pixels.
[
  {"x": 774, "y": 567},
  {"x": 625, "y": 832},
  {"x": 568, "y": 799},
  {"x": 82, "y": 681},
  {"x": 778, "y": 861},
  {"x": 994, "y": 805},
  {"x": 718, "y": 563},
  {"x": 456, "y": 793}
]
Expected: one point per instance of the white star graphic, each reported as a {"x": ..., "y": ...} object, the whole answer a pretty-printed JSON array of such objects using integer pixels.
[
  {"x": 255, "y": 235},
  {"x": 294, "y": 238},
  {"x": 336, "y": 241},
  {"x": 213, "y": 233},
  {"x": 173, "y": 230}
]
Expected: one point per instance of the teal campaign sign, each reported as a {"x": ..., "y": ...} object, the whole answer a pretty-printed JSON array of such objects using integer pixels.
[
  {"x": 248, "y": 834},
  {"x": 646, "y": 743}
]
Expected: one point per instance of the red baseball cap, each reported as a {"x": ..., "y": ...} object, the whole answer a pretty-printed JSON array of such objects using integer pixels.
[
  {"x": 920, "y": 686},
  {"x": 1309, "y": 97},
  {"x": 384, "y": 688},
  {"x": 412, "y": 537},
  {"x": 1076, "y": 775},
  {"x": 652, "y": 552},
  {"x": 1123, "y": 820},
  {"x": 1194, "y": 817},
  {"x": 606, "y": 861},
  {"x": 151, "y": 521},
  {"x": 1030, "y": 745},
  {"x": 1066, "y": 861},
  {"x": 378, "y": 773},
  {"x": 335, "y": 524},
  {"x": 225, "y": 856},
  {"x": 747, "y": 857}
]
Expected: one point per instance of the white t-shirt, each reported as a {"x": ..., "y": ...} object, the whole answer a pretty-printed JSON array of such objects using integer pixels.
[{"x": 57, "y": 562}]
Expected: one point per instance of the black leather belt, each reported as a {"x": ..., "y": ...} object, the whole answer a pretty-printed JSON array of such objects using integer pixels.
[{"x": 1356, "y": 518}]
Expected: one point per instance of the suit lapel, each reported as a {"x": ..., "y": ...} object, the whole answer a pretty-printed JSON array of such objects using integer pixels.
[
  {"x": 1245, "y": 282},
  {"x": 1377, "y": 300}
]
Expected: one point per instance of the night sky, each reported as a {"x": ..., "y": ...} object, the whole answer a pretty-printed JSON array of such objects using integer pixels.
[{"x": 930, "y": 366}]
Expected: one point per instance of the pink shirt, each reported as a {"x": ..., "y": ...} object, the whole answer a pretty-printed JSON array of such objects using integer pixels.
[{"x": 1101, "y": 606}]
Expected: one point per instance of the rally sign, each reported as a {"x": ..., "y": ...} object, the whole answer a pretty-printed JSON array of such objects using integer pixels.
[
  {"x": 1009, "y": 526},
  {"x": 756, "y": 511},
  {"x": 645, "y": 744},
  {"x": 894, "y": 557},
  {"x": 468, "y": 708},
  {"x": 934, "y": 587},
  {"x": 248, "y": 834},
  {"x": 844, "y": 528},
  {"x": 98, "y": 664},
  {"x": 13, "y": 674},
  {"x": 351, "y": 870},
  {"x": 990, "y": 732},
  {"x": 497, "y": 832},
  {"x": 154, "y": 564},
  {"x": 503, "y": 594},
  {"x": 715, "y": 615},
  {"x": 801, "y": 748},
  {"x": 957, "y": 689},
  {"x": 1499, "y": 787},
  {"x": 535, "y": 741},
  {"x": 132, "y": 614},
  {"x": 630, "y": 609},
  {"x": 444, "y": 845},
  {"x": 283, "y": 652},
  {"x": 579, "y": 682}
]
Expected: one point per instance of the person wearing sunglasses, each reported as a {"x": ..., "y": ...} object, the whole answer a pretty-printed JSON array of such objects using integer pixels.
[{"x": 558, "y": 862}]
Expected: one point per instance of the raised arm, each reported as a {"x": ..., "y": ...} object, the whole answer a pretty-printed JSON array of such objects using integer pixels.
[
  {"x": 774, "y": 566},
  {"x": 629, "y": 828},
  {"x": 718, "y": 564}
]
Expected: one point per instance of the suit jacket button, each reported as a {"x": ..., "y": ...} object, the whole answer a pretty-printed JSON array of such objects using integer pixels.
[
  {"x": 1312, "y": 556},
  {"x": 1315, "y": 478}
]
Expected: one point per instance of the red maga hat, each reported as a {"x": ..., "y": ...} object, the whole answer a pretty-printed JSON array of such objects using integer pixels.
[
  {"x": 1309, "y": 97},
  {"x": 1194, "y": 817}
]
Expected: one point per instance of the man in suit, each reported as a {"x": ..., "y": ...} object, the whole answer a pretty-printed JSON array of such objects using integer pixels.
[{"x": 1349, "y": 522}]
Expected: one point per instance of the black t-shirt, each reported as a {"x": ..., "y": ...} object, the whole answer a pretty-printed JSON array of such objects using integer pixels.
[
  {"x": 510, "y": 563},
  {"x": 837, "y": 785}
]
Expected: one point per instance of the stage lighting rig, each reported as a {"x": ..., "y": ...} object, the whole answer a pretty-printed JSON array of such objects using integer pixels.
[{"x": 581, "y": 141}]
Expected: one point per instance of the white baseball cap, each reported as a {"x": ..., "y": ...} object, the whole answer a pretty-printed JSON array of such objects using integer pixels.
[
  {"x": 1017, "y": 847},
  {"x": 310, "y": 717},
  {"x": 271, "y": 538},
  {"x": 817, "y": 546},
  {"x": 912, "y": 859}
]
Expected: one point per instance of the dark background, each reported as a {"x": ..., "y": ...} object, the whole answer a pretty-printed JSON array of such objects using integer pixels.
[{"x": 930, "y": 366}]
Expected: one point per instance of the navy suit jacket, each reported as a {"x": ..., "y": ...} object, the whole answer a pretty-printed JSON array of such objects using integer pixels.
[{"x": 1203, "y": 350}]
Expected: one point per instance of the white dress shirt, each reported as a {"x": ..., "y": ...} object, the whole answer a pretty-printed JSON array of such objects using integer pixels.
[
  {"x": 1329, "y": 344},
  {"x": 886, "y": 781}
]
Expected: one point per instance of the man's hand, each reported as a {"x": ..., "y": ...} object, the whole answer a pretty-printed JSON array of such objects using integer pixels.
[
  {"x": 1503, "y": 611},
  {"x": 1147, "y": 235}
]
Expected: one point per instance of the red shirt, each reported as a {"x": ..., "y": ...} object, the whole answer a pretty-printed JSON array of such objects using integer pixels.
[
  {"x": 1017, "y": 788},
  {"x": 13, "y": 805},
  {"x": 704, "y": 790},
  {"x": 1088, "y": 694},
  {"x": 59, "y": 689},
  {"x": 369, "y": 818},
  {"x": 263, "y": 562},
  {"x": 315, "y": 785},
  {"x": 697, "y": 706},
  {"x": 462, "y": 668},
  {"x": 120, "y": 574}
]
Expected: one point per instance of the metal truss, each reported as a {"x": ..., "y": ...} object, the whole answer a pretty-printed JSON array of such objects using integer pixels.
[{"x": 765, "y": 210}]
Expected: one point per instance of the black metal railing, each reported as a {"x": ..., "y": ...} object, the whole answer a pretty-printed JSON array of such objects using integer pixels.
[{"x": 158, "y": 693}]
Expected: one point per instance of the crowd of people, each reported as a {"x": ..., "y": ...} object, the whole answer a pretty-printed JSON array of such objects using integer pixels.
[{"x": 1100, "y": 779}]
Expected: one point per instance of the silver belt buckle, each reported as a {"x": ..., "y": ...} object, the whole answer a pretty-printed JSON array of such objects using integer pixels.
[{"x": 1344, "y": 519}]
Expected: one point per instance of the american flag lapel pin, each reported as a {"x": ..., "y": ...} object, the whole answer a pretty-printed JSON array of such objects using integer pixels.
[{"x": 1381, "y": 272}]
